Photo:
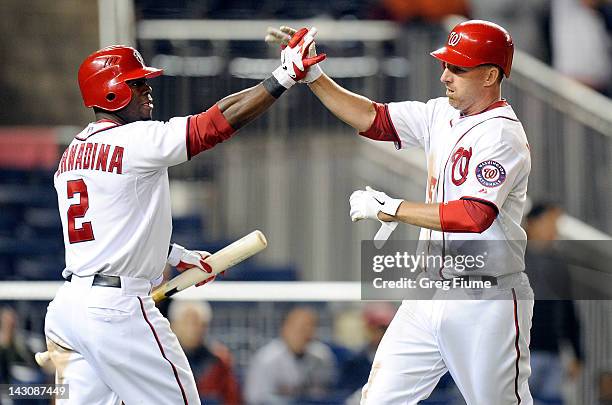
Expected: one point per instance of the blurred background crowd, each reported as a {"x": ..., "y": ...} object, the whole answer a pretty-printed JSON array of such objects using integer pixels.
[{"x": 291, "y": 172}]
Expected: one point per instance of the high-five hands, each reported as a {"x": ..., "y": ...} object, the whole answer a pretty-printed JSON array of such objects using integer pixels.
[
  {"x": 366, "y": 204},
  {"x": 280, "y": 35},
  {"x": 298, "y": 48}
]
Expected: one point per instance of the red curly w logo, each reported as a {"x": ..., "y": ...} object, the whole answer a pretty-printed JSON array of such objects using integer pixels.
[{"x": 461, "y": 163}]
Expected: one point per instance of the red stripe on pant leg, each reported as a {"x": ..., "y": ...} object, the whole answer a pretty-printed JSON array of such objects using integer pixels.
[
  {"x": 161, "y": 349},
  {"x": 516, "y": 346}
]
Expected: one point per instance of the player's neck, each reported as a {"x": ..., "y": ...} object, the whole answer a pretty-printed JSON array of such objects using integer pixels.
[
  {"x": 483, "y": 104},
  {"x": 102, "y": 115}
]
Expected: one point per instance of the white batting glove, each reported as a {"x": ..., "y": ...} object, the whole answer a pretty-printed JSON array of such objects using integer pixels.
[
  {"x": 366, "y": 204},
  {"x": 295, "y": 61},
  {"x": 185, "y": 259},
  {"x": 282, "y": 36}
]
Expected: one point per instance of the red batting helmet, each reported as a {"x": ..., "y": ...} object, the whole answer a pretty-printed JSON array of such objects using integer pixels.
[
  {"x": 103, "y": 74},
  {"x": 476, "y": 42}
]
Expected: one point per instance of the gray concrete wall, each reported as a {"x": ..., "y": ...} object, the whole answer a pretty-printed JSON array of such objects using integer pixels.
[{"x": 42, "y": 43}]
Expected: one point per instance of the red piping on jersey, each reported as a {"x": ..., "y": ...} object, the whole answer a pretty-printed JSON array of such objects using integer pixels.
[
  {"x": 161, "y": 349},
  {"x": 100, "y": 130},
  {"x": 205, "y": 130},
  {"x": 382, "y": 128},
  {"x": 497, "y": 104},
  {"x": 516, "y": 347},
  {"x": 466, "y": 216}
]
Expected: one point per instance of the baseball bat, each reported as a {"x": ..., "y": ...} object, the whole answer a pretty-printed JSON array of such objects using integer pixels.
[
  {"x": 225, "y": 258},
  {"x": 219, "y": 261}
]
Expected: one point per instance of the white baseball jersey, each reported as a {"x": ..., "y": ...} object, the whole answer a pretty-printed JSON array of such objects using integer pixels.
[
  {"x": 484, "y": 157},
  {"x": 113, "y": 194}
]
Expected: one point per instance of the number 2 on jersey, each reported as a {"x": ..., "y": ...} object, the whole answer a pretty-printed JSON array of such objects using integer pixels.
[{"x": 78, "y": 210}]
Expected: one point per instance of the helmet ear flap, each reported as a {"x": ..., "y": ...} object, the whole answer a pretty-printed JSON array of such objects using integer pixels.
[
  {"x": 117, "y": 95},
  {"x": 106, "y": 92}
]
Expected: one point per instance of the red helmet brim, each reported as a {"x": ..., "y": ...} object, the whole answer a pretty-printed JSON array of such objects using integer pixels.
[
  {"x": 453, "y": 57},
  {"x": 146, "y": 72}
]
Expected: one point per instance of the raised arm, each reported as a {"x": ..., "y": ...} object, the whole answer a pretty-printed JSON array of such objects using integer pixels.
[
  {"x": 354, "y": 109},
  {"x": 243, "y": 107}
]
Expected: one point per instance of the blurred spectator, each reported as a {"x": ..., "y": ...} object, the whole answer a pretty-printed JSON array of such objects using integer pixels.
[
  {"x": 581, "y": 44},
  {"x": 554, "y": 319},
  {"x": 376, "y": 316},
  {"x": 293, "y": 367},
  {"x": 605, "y": 388},
  {"x": 211, "y": 363},
  {"x": 527, "y": 20},
  {"x": 16, "y": 359},
  {"x": 605, "y": 8},
  {"x": 419, "y": 10}
]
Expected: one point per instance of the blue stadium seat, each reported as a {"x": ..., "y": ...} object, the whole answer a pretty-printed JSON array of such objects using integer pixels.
[
  {"x": 13, "y": 176},
  {"x": 10, "y": 217},
  {"x": 39, "y": 268},
  {"x": 6, "y": 267},
  {"x": 445, "y": 393},
  {"x": 43, "y": 222},
  {"x": 332, "y": 399},
  {"x": 251, "y": 272},
  {"x": 28, "y": 195},
  {"x": 31, "y": 246},
  {"x": 209, "y": 401},
  {"x": 189, "y": 224}
]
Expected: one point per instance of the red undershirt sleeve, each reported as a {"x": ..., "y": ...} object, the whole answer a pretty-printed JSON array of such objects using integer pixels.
[
  {"x": 382, "y": 128},
  {"x": 207, "y": 129},
  {"x": 466, "y": 216}
]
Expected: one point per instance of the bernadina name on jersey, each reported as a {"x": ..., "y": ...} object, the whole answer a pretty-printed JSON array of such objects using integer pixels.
[{"x": 90, "y": 156}]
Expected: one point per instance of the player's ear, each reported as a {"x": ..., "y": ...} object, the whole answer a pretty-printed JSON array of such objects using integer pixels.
[{"x": 492, "y": 75}]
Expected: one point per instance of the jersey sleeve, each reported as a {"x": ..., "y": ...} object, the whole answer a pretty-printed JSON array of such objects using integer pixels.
[
  {"x": 156, "y": 144},
  {"x": 493, "y": 170},
  {"x": 412, "y": 122}
]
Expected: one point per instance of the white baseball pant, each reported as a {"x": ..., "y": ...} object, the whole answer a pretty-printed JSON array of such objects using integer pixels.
[
  {"x": 120, "y": 347},
  {"x": 484, "y": 344}
]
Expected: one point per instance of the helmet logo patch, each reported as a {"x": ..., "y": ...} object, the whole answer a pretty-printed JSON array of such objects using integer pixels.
[
  {"x": 454, "y": 38},
  {"x": 138, "y": 57},
  {"x": 111, "y": 60}
]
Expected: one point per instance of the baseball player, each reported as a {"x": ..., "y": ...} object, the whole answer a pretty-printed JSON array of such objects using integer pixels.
[
  {"x": 105, "y": 336},
  {"x": 478, "y": 163}
]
